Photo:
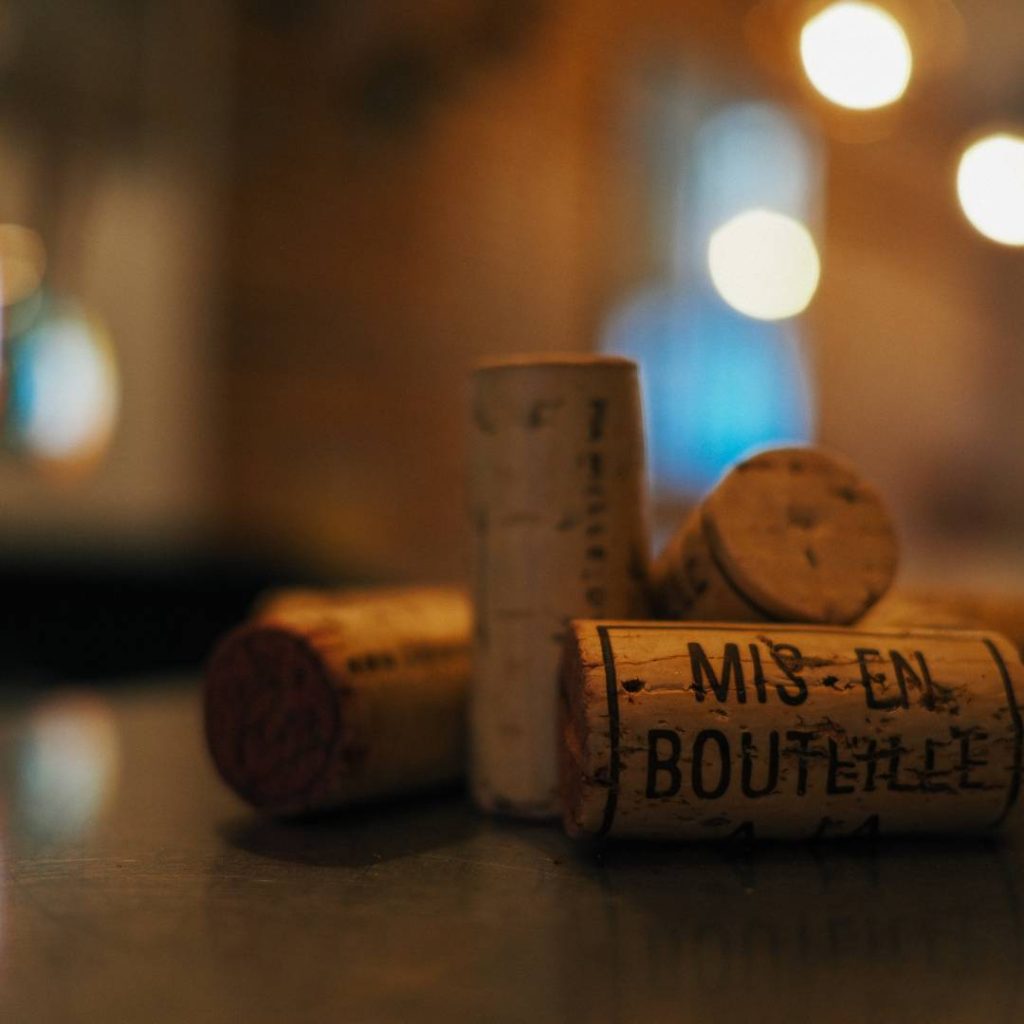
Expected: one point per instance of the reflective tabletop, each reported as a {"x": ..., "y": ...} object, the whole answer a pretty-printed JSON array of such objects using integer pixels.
[{"x": 136, "y": 888}]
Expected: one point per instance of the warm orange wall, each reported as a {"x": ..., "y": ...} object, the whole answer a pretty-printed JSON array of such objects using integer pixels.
[
  {"x": 367, "y": 271},
  {"x": 370, "y": 272}
]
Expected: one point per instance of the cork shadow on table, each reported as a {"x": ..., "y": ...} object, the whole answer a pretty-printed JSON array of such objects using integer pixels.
[
  {"x": 919, "y": 929},
  {"x": 358, "y": 836}
]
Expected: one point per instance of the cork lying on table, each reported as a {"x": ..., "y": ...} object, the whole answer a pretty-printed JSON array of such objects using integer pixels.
[
  {"x": 559, "y": 494},
  {"x": 326, "y": 698},
  {"x": 996, "y": 610},
  {"x": 791, "y": 534},
  {"x": 708, "y": 731}
]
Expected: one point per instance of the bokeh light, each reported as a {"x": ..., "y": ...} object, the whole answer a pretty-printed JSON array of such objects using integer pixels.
[
  {"x": 856, "y": 55},
  {"x": 745, "y": 156},
  {"x": 67, "y": 765},
  {"x": 64, "y": 390},
  {"x": 764, "y": 264},
  {"x": 990, "y": 184}
]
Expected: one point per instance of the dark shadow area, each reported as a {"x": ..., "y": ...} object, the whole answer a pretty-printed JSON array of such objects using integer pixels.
[
  {"x": 107, "y": 616},
  {"x": 626, "y": 853},
  {"x": 359, "y": 836}
]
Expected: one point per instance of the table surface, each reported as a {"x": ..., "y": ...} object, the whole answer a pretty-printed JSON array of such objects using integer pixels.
[{"x": 135, "y": 888}]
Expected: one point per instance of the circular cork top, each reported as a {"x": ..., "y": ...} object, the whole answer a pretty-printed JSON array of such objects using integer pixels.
[
  {"x": 801, "y": 536},
  {"x": 271, "y": 715}
]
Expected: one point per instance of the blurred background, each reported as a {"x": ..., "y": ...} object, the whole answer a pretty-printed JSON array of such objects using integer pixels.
[{"x": 250, "y": 250}]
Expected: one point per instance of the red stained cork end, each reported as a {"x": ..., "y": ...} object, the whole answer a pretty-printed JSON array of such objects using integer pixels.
[{"x": 271, "y": 715}]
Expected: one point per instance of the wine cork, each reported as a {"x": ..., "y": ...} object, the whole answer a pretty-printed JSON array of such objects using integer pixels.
[
  {"x": 672, "y": 731},
  {"x": 329, "y": 699},
  {"x": 559, "y": 498},
  {"x": 995, "y": 610},
  {"x": 791, "y": 534},
  {"x": 283, "y": 600}
]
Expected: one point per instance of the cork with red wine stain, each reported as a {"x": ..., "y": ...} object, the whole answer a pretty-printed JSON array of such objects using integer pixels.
[{"x": 327, "y": 699}]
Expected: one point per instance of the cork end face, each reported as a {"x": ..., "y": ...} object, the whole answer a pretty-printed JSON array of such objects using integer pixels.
[
  {"x": 271, "y": 716},
  {"x": 801, "y": 536}
]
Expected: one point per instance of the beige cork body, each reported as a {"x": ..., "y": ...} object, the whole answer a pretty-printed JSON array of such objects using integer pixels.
[
  {"x": 790, "y": 534},
  {"x": 708, "y": 731},
  {"x": 1002, "y": 611},
  {"x": 560, "y": 531},
  {"x": 331, "y": 698}
]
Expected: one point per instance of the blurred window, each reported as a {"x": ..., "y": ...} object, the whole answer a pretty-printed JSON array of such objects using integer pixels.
[{"x": 719, "y": 342}]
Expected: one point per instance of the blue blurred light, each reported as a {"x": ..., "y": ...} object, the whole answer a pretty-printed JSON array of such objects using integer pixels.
[
  {"x": 716, "y": 384},
  {"x": 63, "y": 391}
]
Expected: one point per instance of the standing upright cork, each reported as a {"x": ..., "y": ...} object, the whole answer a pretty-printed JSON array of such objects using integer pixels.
[
  {"x": 791, "y": 534},
  {"x": 560, "y": 532}
]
